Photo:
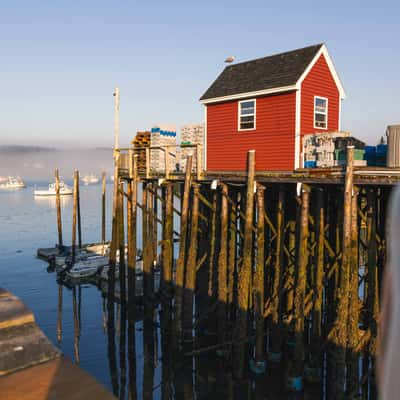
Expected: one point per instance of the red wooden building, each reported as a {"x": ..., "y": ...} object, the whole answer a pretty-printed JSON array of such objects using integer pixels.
[{"x": 267, "y": 105}]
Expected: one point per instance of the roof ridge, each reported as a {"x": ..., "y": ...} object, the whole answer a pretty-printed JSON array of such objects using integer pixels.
[{"x": 276, "y": 54}]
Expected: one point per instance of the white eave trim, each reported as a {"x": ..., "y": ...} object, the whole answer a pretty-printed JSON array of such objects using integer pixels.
[
  {"x": 323, "y": 51},
  {"x": 249, "y": 94}
]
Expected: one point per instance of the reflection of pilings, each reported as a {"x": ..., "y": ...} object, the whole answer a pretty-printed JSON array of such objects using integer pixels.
[
  {"x": 132, "y": 352},
  {"x": 112, "y": 362},
  {"x": 245, "y": 271},
  {"x": 76, "y": 326},
  {"x": 148, "y": 357},
  {"x": 190, "y": 278},
  {"x": 122, "y": 351},
  {"x": 59, "y": 317}
]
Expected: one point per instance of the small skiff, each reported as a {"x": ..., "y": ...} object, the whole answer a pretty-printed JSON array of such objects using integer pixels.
[{"x": 87, "y": 267}]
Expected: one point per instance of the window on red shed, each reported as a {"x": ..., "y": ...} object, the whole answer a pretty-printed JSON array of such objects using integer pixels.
[
  {"x": 320, "y": 112},
  {"x": 247, "y": 115}
]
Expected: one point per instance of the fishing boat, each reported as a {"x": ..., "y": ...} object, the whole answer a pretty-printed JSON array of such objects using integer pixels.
[
  {"x": 13, "y": 183},
  {"x": 87, "y": 267},
  {"x": 51, "y": 191},
  {"x": 90, "y": 179}
]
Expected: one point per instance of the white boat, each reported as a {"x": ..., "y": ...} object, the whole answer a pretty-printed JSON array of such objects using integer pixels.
[
  {"x": 105, "y": 269},
  {"x": 90, "y": 179},
  {"x": 87, "y": 267},
  {"x": 51, "y": 191},
  {"x": 13, "y": 183}
]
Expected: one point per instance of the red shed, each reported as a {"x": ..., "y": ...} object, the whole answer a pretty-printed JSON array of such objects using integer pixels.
[{"x": 267, "y": 105}]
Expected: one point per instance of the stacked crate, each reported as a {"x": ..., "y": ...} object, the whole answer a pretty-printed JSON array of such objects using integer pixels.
[
  {"x": 161, "y": 136},
  {"x": 327, "y": 150},
  {"x": 191, "y": 135},
  {"x": 358, "y": 153},
  {"x": 141, "y": 141}
]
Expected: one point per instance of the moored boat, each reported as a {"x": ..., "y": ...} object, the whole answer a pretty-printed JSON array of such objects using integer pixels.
[
  {"x": 51, "y": 191},
  {"x": 87, "y": 267},
  {"x": 90, "y": 179},
  {"x": 13, "y": 183}
]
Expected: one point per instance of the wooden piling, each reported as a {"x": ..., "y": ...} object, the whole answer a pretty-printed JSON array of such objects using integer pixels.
[
  {"x": 146, "y": 243},
  {"x": 222, "y": 266},
  {"x": 75, "y": 205},
  {"x": 132, "y": 226},
  {"x": 276, "y": 318},
  {"x": 372, "y": 304},
  {"x": 190, "y": 276},
  {"x": 297, "y": 370},
  {"x": 340, "y": 337},
  {"x": 121, "y": 242},
  {"x": 353, "y": 313},
  {"x": 259, "y": 279},
  {"x": 103, "y": 209},
  {"x": 318, "y": 270},
  {"x": 180, "y": 265},
  {"x": 232, "y": 256},
  {"x": 167, "y": 247},
  {"x": 245, "y": 271},
  {"x": 78, "y": 210},
  {"x": 58, "y": 206}
]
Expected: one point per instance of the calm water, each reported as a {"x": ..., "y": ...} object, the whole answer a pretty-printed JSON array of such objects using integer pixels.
[
  {"x": 27, "y": 223},
  {"x": 127, "y": 355}
]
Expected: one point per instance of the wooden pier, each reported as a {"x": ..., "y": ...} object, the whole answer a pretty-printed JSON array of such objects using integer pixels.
[{"x": 277, "y": 270}]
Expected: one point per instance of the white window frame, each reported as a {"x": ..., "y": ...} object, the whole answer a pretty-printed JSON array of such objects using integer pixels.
[
  {"x": 247, "y": 115},
  {"x": 319, "y": 112}
]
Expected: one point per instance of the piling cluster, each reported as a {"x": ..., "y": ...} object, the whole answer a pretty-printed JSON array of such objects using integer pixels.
[{"x": 266, "y": 276}]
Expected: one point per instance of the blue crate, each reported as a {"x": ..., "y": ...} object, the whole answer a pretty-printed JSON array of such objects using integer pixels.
[{"x": 310, "y": 164}]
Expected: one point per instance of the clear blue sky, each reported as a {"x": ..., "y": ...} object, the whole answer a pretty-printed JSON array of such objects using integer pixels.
[{"x": 59, "y": 61}]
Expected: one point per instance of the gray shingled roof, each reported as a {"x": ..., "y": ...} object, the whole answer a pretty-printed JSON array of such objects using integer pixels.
[{"x": 270, "y": 72}]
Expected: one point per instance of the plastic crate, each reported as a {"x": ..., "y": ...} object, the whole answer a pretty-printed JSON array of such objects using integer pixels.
[{"x": 310, "y": 164}]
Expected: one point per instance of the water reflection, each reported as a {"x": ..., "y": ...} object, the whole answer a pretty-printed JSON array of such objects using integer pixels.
[
  {"x": 141, "y": 361},
  {"x": 50, "y": 201}
]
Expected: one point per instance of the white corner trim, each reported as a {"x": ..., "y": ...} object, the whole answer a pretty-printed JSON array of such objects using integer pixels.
[
  {"x": 340, "y": 116},
  {"x": 324, "y": 51},
  {"x": 249, "y": 94},
  {"x": 297, "y": 137},
  {"x": 205, "y": 139}
]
